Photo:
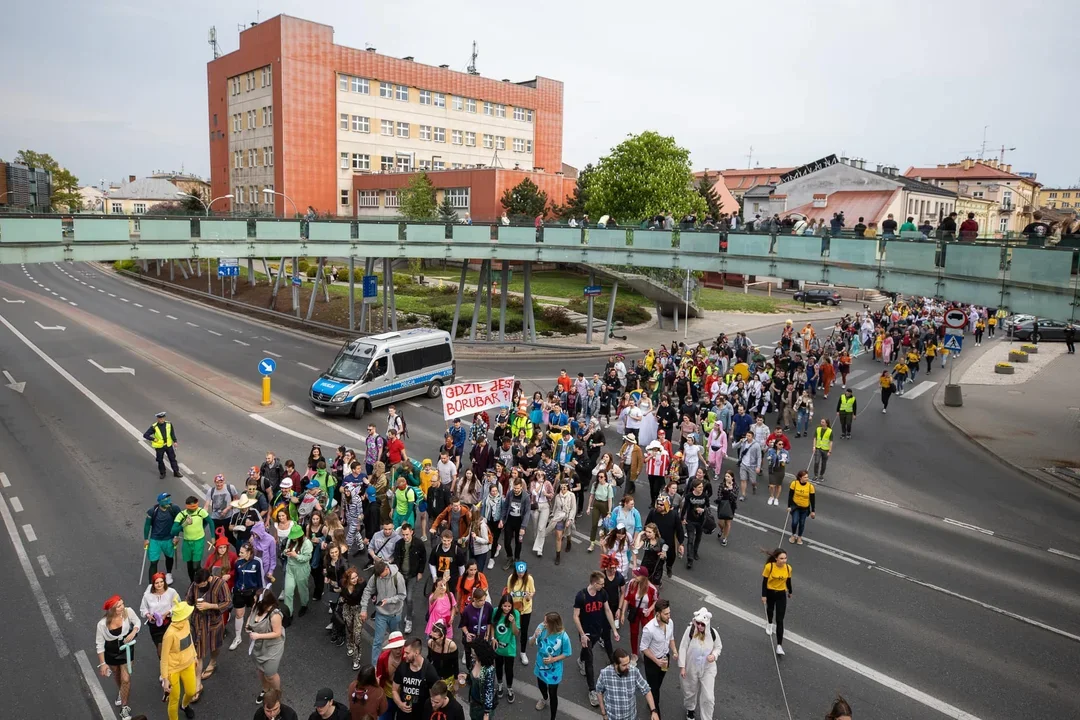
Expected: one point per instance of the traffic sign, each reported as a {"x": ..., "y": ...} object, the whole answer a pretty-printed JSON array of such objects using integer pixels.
[
  {"x": 592, "y": 291},
  {"x": 955, "y": 319},
  {"x": 228, "y": 271},
  {"x": 370, "y": 288},
  {"x": 267, "y": 366},
  {"x": 954, "y": 343},
  {"x": 297, "y": 281}
]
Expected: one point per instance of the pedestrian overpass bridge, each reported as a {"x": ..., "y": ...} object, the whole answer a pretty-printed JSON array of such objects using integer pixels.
[{"x": 1036, "y": 280}]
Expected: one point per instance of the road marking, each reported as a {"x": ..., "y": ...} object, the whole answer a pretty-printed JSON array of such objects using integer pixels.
[
  {"x": 55, "y": 294},
  {"x": 48, "y": 327},
  {"x": 89, "y": 395},
  {"x": 138, "y": 305},
  {"x": 288, "y": 431},
  {"x": 241, "y": 342},
  {"x": 112, "y": 294},
  {"x": 1062, "y": 553},
  {"x": 90, "y": 677},
  {"x": 109, "y": 370},
  {"x": 413, "y": 403},
  {"x": 919, "y": 389},
  {"x": 154, "y": 311},
  {"x": 35, "y": 584},
  {"x": 838, "y": 556},
  {"x": 186, "y": 469},
  {"x": 842, "y": 660},
  {"x": 73, "y": 304},
  {"x": 7, "y": 483},
  {"x": 890, "y": 503},
  {"x": 856, "y": 373},
  {"x": 328, "y": 423},
  {"x": 63, "y": 298},
  {"x": 748, "y": 524},
  {"x": 65, "y": 608},
  {"x": 986, "y": 606},
  {"x": 811, "y": 543},
  {"x": 968, "y": 526},
  {"x": 100, "y": 290},
  {"x": 274, "y": 354},
  {"x": 47, "y": 289},
  {"x": 171, "y": 317},
  {"x": 16, "y": 505},
  {"x": 124, "y": 300},
  {"x": 31, "y": 536},
  {"x": 191, "y": 324},
  {"x": 867, "y": 383},
  {"x": 14, "y": 302},
  {"x": 46, "y": 568},
  {"x": 213, "y": 332},
  {"x": 309, "y": 367}
]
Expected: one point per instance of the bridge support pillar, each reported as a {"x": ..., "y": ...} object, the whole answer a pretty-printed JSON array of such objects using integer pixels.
[
  {"x": 528, "y": 328},
  {"x": 481, "y": 283},
  {"x": 369, "y": 267},
  {"x": 589, "y": 311},
  {"x": 277, "y": 282},
  {"x": 393, "y": 297},
  {"x": 295, "y": 289},
  {"x": 611, "y": 310},
  {"x": 504, "y": 282},
  {"x": 659, "y": 316},
  {"x": 315, "y": 288},
  {"x": 460, "y": 295},
  {"x": 352, "y": 294}
]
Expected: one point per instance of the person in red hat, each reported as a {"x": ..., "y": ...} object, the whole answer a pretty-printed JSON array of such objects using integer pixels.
[
  {"x": 115, "y": 641},
  {"x": 389, "y": 660},
  {"x": 222, "y": 559}
]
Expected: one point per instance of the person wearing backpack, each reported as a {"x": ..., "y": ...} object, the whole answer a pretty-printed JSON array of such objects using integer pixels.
[{"x": 699, "y": 652}]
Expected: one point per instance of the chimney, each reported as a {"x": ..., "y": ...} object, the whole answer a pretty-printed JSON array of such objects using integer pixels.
[
  {"x": 845, "y": 160},
  {"x": 370, "y": 49},
  {"x": 1007, "y": 168},
  {"x": 821, "y": 200},
  {"x": 882, "y": 169},
  {"x": 967, "y": 164},
  {"x": 506, "y": 80},
  {"x": 445, "y": 67},
  {"x": 131, "y": 178}
]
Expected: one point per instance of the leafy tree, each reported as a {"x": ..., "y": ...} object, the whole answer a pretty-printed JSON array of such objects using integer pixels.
[
  {"x": 169, "y": 208},
  {"x": 193, "y": 205},
  {"x": 417, "y": 199},
  {"x": 447, "y": 212},
  {"x": 644, "y": 175},
  {"x": 65, "y": 186},
  {"x": 575, "y": 207},
  {"x": 705, "y": 190},
  {"x": 525, "y": 200}
]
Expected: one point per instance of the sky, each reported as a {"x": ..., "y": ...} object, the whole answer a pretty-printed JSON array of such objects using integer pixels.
[{"x": 113, "y": 88}]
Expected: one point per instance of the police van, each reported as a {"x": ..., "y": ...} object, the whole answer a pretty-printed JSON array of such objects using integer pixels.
[{"x": 383, "y": 369}]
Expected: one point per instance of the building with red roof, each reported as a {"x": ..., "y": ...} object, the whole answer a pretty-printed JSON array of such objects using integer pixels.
[{"x": 1015, "y": 196}]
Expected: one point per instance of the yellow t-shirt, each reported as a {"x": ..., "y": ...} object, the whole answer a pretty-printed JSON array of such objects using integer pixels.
[
  {"x": 885, "y": 381},
  {"x": 802, "y": 491},
  {"x": 901, "y": 368},
  {"x": 912, "y": 358},
  {"x": 522, "y": 603},
  {"x": 992, "y": 321},
  {"x": 931, "y": 350},
  {"x": 777, "y": 576}
]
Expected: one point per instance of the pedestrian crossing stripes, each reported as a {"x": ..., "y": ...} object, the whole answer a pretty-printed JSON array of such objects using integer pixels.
[
  {"x": 870, "y": 381},
  {"x": 912, "y": 392}
]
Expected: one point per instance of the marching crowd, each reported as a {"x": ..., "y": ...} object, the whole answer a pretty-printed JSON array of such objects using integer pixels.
[{"x": 376, "y": 535}]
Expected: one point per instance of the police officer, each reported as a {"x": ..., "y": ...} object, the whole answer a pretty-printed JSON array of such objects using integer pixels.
[
  {"x": 162, "y": 438},
  {"x": 847, "y": 407}
]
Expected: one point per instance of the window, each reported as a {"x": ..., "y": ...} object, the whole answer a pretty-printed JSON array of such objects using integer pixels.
[
  {"x": 345, "y": 198},
  {"x": 238, "y": 159},
  {"x": 500, "y": 111},
  {"x": 403, "y": 130},
  {"x": 361, "y": 123},
  {"x": 500, "y": 142},
  {"x": 440, "y": 135},
  {"x": 402, "y": 93},
  {"x": 253, "y": 158},
  {"x": 250, "y": 81},
  {"x": 470, "y": 139},
  {"x": 1006, "y": 199},
  {"x": 519, "y": 145},
  {"x": 412, "y": 361},
  {"x": 455, "y": 166},
  {"x": 239, "y": 193},
  {"x": 1064, "y": 204},
  {"x": 528, "y": 146},
  {"x": 489, "y": 109},
  {"x": 344, "y": 161},
  {"x": 367, "y": 198},
  {"x": 1064, "y": 195},
  {"x": 457, "y": 137},
  {"x": 386, "y": 90},
  {"x": 343, "y": 121},
  {"x": 118, "y": 208},
  {"x": 425, "y": 97},
  {"x": 361, "y": 161},
  {"x": 343, "y": 83},
  {"x": 236, "y": 122},
  {"x": 390, "y": 198},
  {"x": 268, "y": 156},
  {"x": 423, "y": 164},
  {"x": 459, "y": 197},
  {"x": 440, "y": 99},
  {"x": 457, "y": 102},
  {"x": 489, "y": 141},
  {"x": 1003, "y": 224},
  {"x": 256, "y": 197},
  {"x": 267, "y": 76},
  {"x": 386, "y": 163},
  {"x": 138, "y": 209},
  {"x": 404, "y": 163},
  {"x": 234, "y": 86},
  {"x": 519, "y": 114},
  {"x": 470, "y": 105},
  {"x": 1053, "y": 195},
  {"x": 388, "y": 128},
  {"x": 268, "y": 116},
  {"x": 251, "y": 116},
  {"x": 425, "y": 132},
  {"x": 438, "y": 165},
  {"x": 360, "y": 85},
  {"x": 977, "y": 194}
]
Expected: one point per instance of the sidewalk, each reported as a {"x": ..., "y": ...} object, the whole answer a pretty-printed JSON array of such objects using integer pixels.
[{"x": 1034, "y": 425}]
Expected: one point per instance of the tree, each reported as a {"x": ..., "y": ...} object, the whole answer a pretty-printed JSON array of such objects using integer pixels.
[
  {"x": 65, "y": 186},
  {"x": 168, "y": 208},
  {"x": 575, "y": 208},
  {"x": 193, "y": 205},
  {"x": 416, "y": 201},
  {"x": 644, "y": 175},
  {"x": 705, "y": 190},
  {"x": 447, "y": 213},
  {"x": 525, "y": 200}
]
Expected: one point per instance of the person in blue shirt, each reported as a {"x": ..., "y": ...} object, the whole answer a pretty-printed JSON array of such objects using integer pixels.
[
  {"x": 741, "y": 423},
  {"x": 459, "y": 436},
  {"x": 564, "y": 452},
  {"x": 552, "y": 648},
  {"x": 158, "y": 536}
]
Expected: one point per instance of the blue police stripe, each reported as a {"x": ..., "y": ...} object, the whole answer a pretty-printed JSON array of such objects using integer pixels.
[{"x": 418, "y": 380}]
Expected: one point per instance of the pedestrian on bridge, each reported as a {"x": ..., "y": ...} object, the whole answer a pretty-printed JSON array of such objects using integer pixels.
[{"x": 162, "y": 438}]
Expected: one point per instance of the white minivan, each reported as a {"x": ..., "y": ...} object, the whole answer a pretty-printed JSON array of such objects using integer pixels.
[{"x": 382, "y": 369}]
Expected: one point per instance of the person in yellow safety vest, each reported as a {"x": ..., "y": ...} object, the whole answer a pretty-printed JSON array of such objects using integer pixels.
[
  {"x": 521, "y": 422},
  {"x": 162, "y": 438},
  {"x": 822, "y": 449},
  {"x": 847, "y": 406}
]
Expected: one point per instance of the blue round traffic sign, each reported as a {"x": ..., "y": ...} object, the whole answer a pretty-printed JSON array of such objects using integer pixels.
[{"x": 267, "y": 366}]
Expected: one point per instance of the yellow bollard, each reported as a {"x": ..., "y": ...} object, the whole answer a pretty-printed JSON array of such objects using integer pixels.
[{"x": 266, "y": 390}]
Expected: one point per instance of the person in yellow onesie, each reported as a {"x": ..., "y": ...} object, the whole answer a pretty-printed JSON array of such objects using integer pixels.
[{"x": 178, "y": 662}]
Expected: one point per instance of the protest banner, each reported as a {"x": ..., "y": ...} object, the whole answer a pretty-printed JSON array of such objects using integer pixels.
[{"x": 469, "y": 398}]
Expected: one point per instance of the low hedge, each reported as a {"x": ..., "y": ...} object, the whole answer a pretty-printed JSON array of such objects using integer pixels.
[
  {"x": 129, "y": 265},
  {"x": 625, "y": 312}
]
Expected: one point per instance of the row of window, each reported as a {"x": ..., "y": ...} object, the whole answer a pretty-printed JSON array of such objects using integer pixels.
[
  {"x": 390, "y": 128},
  {"x": 252, "y": 195},
  {"x": 266, "y": 112},
  {"x": 361, "y": 162},
  {"x": 927, "y": 207},
  {"x": 266, "y": 76},
  {"x": 391, "y": 91},
  {"x": 1064, "y": 195},
  {"x": 256, "y": 157},
  {"x": 458, "y": 197}
]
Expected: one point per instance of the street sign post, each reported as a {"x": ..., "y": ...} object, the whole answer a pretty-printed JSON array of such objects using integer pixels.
[
  {"x": 228, "y": 267},
  {"x": 955, "y": 319},
  {"x": 296, "y": 281},
  {"x": 267, "y": 366},
  {"x": 592, "y": 291},
  {"x": 953, "y": 343},
  {"x": 370, "y": 289}
]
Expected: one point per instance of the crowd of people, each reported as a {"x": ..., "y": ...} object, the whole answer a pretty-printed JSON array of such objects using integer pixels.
[{"x": 372, "y": 534}]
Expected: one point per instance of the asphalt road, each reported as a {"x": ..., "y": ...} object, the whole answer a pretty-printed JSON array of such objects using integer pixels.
[{"x": 906, "y": 612}]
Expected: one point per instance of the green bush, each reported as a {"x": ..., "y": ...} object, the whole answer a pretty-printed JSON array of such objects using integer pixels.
[
  {"x": 312, "y": 271},
  {"x": 443, "y": 318},
  {"x": 342, "y": 275},
  {"x": 557, "y": 318},
  {"x": 129, "y": 265},
  {"x": 302, "y": 265},
  {"x": 625, "y": 312},
  {"x": 411, "y": 318}
]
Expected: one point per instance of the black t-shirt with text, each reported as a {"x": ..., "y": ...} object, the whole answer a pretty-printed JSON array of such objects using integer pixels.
[
  {"x": 415, "y": 685},
  {"x": 591, "y": 611}
]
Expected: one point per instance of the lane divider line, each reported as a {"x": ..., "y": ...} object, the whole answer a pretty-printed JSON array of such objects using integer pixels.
[
  {"x": 1062, "y": 553},
  {"x": 281, "y": 428},
  {"x": 890, "y": 503},
  {"x": 138, "y": 305},
  {"x": 328, "y": 423},
  {"x": 968, "y": 526},
  {"x": 191, "y": 324},
  {"x": 272, "y": 354},
  {"x": 4, "y": 480},
  {"x": 46, "y": 568},
  {"x": 16, "y": 505},
  {"x": 172, "y": 317},
  {"x": 214, "y": 332},
  {"x": 309, "y": 367},
  {"x": 31, "y": 536},
  {"x": 241, "y": 342},
  {"x": 157, "y": 312},
  {"x": 90, "y": 677},
  {"x": 65, "y": 608}
]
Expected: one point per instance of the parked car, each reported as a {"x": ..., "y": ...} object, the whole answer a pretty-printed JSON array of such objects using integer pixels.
[
  {"x": 1048, "y": 330},
  {"x": 827, "y": 297},
  {"x": 1012, "y": 320}
]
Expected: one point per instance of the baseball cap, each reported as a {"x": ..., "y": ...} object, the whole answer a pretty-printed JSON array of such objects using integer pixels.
[
  {"x": 324, "y": 696},
  {"x": 163, "y": 497}
]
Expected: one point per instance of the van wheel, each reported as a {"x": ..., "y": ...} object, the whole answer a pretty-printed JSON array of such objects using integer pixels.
[
  {"x": 358, "y": 408},
  {"x": 433, "y": 389}
]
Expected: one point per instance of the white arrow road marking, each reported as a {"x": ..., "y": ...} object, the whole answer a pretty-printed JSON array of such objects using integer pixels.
[
  {"x": 111, "y": 371},
  {"x": 16, "y": 386},
  {"x": 49, "y": 327},
  {"x": 265, "y": 367},
  {"x": 14, "y": 301}
]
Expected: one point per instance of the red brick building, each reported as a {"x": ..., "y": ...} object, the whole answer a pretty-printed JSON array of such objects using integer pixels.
[{"x": 295, "y": 113}]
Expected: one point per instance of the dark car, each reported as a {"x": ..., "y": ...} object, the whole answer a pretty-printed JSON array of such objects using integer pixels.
[
  {"x": 1048, "y": 330},
  {"x": 827, "y": 297}
]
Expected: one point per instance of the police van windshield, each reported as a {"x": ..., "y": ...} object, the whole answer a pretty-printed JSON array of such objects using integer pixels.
[{"x": 352, "y": 362}]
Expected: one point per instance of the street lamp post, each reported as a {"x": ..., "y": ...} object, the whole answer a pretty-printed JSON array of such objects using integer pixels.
[
  {"x": 268, "y": 191},
  {"x": 206, "y": 206}
]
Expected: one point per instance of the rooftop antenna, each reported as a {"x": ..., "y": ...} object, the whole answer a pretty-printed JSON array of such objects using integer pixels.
[
  {"x": 982, "y": 150},
  {"x": 212, "y": 40},
  {"x": 1001, "y": 158},
  {"x": 495, "y": 161},
  {"x": 472, "y": 61},
  {"x": 749, "y": 157}
]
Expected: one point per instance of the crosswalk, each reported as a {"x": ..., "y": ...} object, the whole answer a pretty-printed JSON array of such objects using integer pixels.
[{"x": 910, "y": 393}]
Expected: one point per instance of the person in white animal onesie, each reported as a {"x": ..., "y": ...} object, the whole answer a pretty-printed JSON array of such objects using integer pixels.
[{"x": 699, "y": 652}]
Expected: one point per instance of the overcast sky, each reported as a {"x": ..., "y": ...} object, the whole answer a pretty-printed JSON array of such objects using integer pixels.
[{"x": 118, "y": 87}]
